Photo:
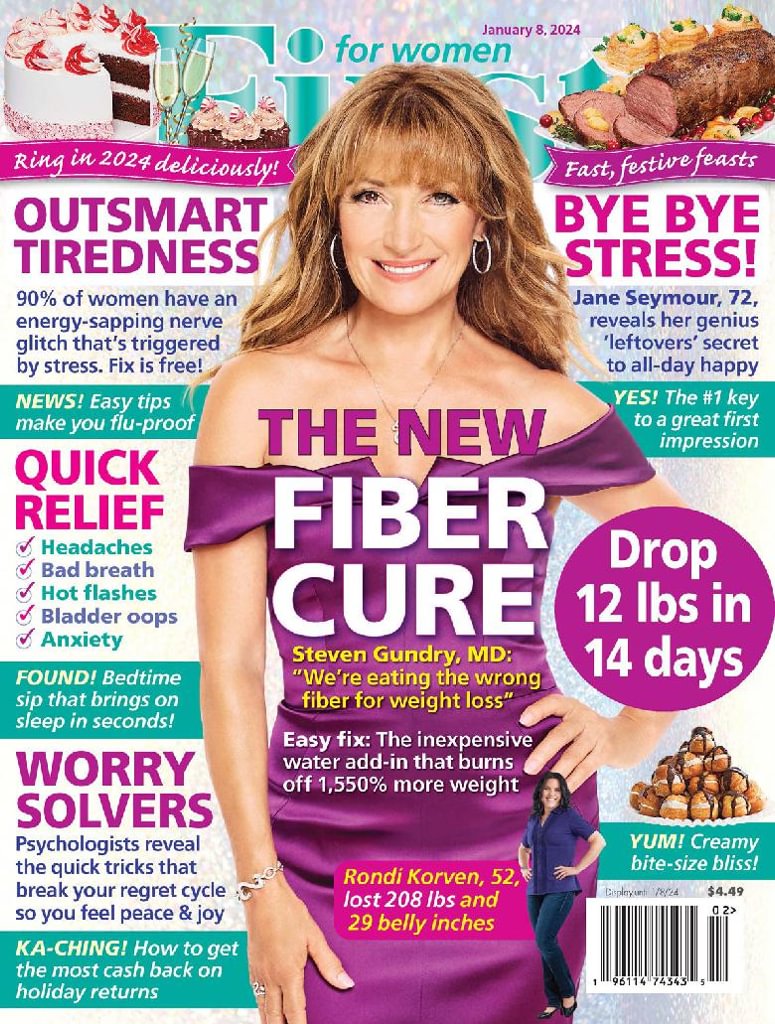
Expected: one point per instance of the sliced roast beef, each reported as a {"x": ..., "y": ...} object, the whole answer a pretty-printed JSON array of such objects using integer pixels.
[
  {"x": 632, "y": 132},
  {"x": 653, "y": 102},
  {"x": 570, "y": 104},
  {"x": 605, "y": 106},
  {"x": 683, "y": 89}
]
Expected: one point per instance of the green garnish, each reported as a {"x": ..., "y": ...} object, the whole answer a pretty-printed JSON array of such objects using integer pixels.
[
  {"x": 642, "y": 34},
  {"x": 601, "y": 46},
  {"x": 678, "y": 27},
  {"x": 622, "y": 39},
  {"x": 730, "y": 14},
  {"x": 564, "y": 132}
]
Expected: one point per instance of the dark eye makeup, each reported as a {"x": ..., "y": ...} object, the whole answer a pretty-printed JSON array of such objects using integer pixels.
[
  {"x": 366, "y": 195},
  {"x": 369, "y": 195}
]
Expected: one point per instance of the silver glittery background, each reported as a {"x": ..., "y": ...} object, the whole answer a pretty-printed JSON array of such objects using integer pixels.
[{"x": 735, "y": 490}]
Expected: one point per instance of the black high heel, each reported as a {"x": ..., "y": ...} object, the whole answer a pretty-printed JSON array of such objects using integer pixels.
[
  {"x": 546, "y": 1014},
  {"x": 568, "y": 1011}
]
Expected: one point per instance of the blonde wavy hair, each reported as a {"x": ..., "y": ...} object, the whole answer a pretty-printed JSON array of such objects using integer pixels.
[{"x": 437, "y": 127}]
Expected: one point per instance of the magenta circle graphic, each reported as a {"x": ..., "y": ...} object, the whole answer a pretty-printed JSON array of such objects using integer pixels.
[{"x": 664, "y": 609}]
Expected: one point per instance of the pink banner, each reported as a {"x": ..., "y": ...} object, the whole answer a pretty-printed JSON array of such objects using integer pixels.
[
  {"x": 146, "y": 162},
  {"x": 751, "y": 161},
  {"x": 430, "y": 899}
]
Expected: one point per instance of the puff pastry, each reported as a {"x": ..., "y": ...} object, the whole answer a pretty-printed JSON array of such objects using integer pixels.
[
  {"x": 735, "y": 19},
  {"x": 631, "y": 48},
  {"x": 698, "y": 782},
  {"x": 681, "y": 35}
]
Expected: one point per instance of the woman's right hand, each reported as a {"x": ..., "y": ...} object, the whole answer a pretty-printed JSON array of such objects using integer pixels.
[
  {"x": 281, "y": 935},
  {"x": 527, "y": 873}
]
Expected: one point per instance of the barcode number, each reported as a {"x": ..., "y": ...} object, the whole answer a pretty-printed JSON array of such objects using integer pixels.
[{"x": 655, "y": 945}]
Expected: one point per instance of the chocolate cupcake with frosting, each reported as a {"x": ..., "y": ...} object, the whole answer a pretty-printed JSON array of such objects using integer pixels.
[{"x": 212, "y": 128}]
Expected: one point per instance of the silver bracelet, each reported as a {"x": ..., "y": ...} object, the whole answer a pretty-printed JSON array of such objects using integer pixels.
[{"x": 245, "y": 890}]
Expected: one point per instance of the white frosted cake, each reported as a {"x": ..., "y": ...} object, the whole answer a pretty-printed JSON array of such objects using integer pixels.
[{"x": 73, "y": 75}]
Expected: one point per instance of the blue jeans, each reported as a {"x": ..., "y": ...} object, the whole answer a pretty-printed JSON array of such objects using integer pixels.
[{"x": 547, "y": 915}]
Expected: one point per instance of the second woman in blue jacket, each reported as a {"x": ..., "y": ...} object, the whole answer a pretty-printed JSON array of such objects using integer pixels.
[{"x": 546, "y": 858}]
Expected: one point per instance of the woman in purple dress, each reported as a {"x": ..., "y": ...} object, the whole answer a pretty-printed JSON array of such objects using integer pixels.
[{"x": 419, "y": 280}]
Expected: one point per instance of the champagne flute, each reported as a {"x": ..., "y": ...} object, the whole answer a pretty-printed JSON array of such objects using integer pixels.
[
  {"x": 196, "y": 71},
  {"x": 198, "y": 66},
  {"x": 166, "y": 84}
]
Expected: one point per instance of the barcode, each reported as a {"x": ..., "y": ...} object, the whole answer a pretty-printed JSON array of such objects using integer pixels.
[
  {"x": 659, "y": 940},
  {"x": 655, "y": 945},
  {"x": 718, "y": 949}
]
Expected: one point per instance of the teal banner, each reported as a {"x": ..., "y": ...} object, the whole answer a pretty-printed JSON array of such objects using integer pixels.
[
  {"x": 112, "y": 412},
  {"x": 100, "y": 700},
  {"x": 668, "y": 420},
  {"x": 701, "y": 420},
  {"x": 124, "y": 970},
  {"x": 708, "y": 851}
]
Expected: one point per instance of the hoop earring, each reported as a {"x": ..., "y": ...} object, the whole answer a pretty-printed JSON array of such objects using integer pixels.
[
  {"x": 486, "y": 241},
  {"x": 332, "y": 253}
]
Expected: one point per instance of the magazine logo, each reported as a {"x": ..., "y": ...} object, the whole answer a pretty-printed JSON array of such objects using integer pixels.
[{"x": 308, "y": 94}]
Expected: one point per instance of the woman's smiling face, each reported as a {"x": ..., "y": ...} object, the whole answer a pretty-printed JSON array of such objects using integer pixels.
[
  {"x": 406, "y": 245},
  {"x": 551, "y": 794}
]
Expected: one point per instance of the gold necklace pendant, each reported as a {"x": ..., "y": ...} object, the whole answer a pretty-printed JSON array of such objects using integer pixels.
[{"x": 378, "y": 389}]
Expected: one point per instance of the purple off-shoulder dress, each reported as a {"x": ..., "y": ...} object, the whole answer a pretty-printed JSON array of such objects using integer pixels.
[{"x": 422, "y": 981}]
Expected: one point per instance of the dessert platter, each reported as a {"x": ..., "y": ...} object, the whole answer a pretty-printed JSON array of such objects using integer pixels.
[
  {"x": 698, "y": 784},
  {"x": 212, "y": 127},
  {"x": 685, "y": 82},
  {"x": 80, "y": 75}
]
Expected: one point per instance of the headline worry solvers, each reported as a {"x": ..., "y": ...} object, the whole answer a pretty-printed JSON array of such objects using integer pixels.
[{"x": 157, "y": 808}]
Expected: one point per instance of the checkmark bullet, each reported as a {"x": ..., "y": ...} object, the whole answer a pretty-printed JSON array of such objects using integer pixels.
[
  {"x": 25, "y": 639},
  {"x": 23, "y": 547},
  {"x": 24, "y": 594},
  {"x": 23, "y": 616},
  {"x": 24, "y": 570}
]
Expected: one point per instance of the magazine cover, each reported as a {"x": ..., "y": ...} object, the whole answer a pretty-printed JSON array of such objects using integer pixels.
[{"x": 387, "y": 433}]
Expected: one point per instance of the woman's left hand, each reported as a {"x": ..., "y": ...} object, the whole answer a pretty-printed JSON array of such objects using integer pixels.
[
  {"x": 589, "y": 740},
  {"x": 562, "y": 871}
]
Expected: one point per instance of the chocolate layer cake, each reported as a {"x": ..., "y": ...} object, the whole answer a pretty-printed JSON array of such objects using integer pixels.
[
  {"x": 265, "y": 128},
  {"x": 72, "y": 75}
]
